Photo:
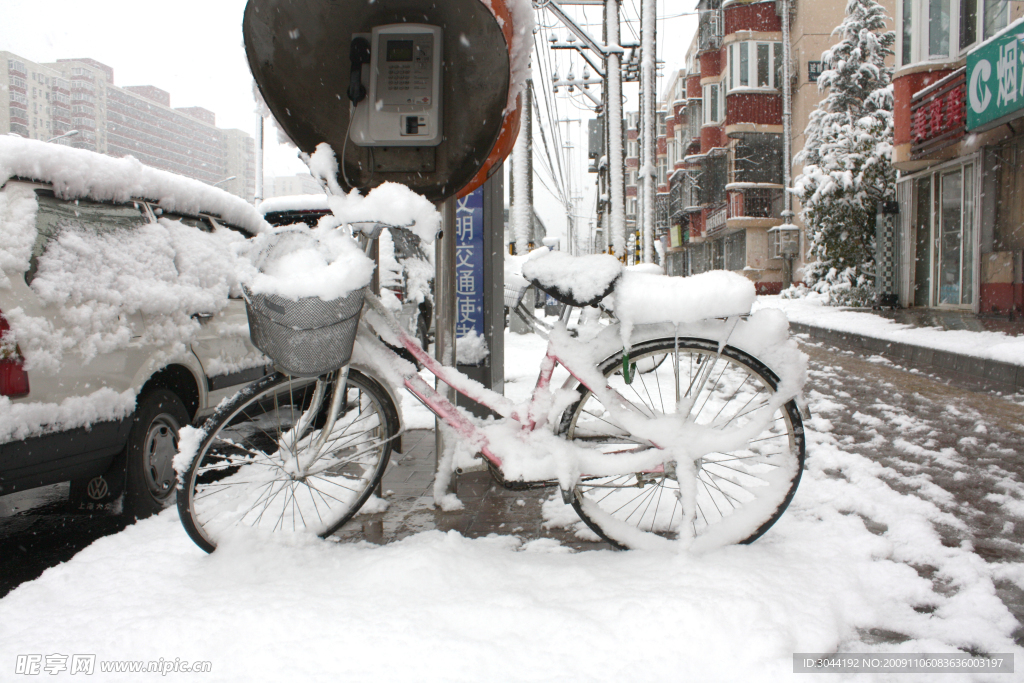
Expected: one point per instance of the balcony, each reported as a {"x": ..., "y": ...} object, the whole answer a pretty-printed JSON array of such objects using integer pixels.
[
  {"x": 709, "y": 30},
  {"x": 661, "y": 211},
  {"x": 938, "y": 116},
  {"x": 755, "y": 202}
]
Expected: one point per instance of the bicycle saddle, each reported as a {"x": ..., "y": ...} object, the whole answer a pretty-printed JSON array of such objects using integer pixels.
[{"x": 574, "y": 280}]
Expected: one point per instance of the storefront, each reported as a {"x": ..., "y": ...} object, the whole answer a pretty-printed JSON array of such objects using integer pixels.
[{"x": 961, "y": 190}]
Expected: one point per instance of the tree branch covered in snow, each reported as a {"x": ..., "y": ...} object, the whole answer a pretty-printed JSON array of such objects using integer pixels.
[{"x": 847, "y": 155}]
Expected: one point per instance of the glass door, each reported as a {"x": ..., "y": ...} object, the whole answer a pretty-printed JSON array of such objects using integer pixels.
[
  {"x": 954, "y": 266},
  {"x": 923, "y": 242}
]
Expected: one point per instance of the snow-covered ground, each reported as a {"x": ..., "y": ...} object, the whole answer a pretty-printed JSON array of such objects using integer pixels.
[
  {"x": 844, "y": 570},
  {"x": 812, "y": 311}
]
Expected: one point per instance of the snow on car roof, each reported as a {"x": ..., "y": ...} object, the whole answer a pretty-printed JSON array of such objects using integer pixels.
[
  {"x": 78, "y": 173},
  {"x": 295, "y": 202}
]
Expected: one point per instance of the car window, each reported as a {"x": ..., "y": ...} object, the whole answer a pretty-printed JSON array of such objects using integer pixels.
[
  {"x": 56, "y": 215},
  {"x": 191, "y": 221},
  {"x": 218, "y": 223}
]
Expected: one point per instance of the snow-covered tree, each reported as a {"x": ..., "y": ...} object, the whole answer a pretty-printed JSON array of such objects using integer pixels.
[{"x": 847, "y": 155}]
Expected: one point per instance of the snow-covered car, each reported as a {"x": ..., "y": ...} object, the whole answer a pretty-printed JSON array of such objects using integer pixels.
[
  {"x": 121, "y": 318},
  {"x": 406, "y": 271}
]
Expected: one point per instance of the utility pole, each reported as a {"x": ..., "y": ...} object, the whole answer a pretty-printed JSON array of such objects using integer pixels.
[
  {"x": 522, "y": 175},
  {"x": 789, "y": 234},
  {"x": 611, "y": 194},
  {"x": 614, "y": 120},
  {"x": 649, "y": 103}
]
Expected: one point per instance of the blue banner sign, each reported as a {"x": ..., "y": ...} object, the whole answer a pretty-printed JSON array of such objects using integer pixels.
[{"x": 469, "y": 264}]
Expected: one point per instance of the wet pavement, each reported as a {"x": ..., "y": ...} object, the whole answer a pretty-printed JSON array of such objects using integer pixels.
[
  {"x": 38, "y": 530},
  {"x": 488, "y": 507},
  {"x": 947, "y": 439}
]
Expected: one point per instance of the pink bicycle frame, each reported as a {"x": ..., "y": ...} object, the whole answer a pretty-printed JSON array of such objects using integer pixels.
[{"x": 449, "y": 413}]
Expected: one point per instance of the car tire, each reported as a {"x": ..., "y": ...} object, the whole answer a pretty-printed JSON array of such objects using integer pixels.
[{"x": 152, "y": 444}]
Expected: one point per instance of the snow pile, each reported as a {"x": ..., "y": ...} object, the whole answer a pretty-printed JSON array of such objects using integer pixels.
[
  {"x": 583, "y": 278},
  {"x": 390, "y": 268},
  {"x": 644, "y": 298},
  {"x": 471, "y": 349},
  {"x": 296, "y": 262},
  {"x": 19, "y": 421},
  {"x": 78, "y": 173},
  {"x": 164, "y": 272},
  {"x": 389, "y": 203},
  {"x": 521, "y": 49},
  {"x": 18, "y": 207},
  {"x": 813, "y": 310}
]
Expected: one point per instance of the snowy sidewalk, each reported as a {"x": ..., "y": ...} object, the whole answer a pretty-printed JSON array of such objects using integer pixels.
[{"x": 916, "y": 340}]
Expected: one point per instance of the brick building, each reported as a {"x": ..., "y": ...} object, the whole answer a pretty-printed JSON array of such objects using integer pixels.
[{"x": 720, "y": 145}]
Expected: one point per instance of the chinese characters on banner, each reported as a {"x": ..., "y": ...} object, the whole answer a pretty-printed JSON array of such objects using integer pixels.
[{"x": 469, "y": 264}]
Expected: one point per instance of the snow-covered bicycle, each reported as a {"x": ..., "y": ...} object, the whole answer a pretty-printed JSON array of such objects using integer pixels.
[{"x": 677, "y": 422}]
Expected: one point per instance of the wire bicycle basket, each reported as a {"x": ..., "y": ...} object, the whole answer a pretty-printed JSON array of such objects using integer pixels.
[{"x": 306, "y": 337}]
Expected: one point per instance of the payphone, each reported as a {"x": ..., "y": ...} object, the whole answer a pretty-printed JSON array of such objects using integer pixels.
[{"x": 402, "y": 105}]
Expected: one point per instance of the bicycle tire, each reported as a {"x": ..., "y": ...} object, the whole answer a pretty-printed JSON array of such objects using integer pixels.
[
  {"x": 739, "y": 494},
  {"x": 244, "y": 473}
]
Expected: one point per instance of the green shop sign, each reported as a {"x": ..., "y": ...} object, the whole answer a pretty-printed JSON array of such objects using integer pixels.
[{"x": 995, "y": 80}]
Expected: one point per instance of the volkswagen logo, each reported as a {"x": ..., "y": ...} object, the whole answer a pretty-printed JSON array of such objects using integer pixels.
[{"x": 97, "y": 488}]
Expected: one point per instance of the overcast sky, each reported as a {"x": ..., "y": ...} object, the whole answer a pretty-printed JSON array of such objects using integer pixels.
[{"x": 193, "y": 49}]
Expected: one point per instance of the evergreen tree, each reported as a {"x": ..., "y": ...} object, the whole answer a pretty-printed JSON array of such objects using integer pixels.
[{"x": 847, "y": 156}]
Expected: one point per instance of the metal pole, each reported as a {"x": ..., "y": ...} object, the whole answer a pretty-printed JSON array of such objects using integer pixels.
[
  {"x": 259, "y": 160},
  {"x": 615, "y": 121},
  {"x": 649, "y": 95},
  {"x": 444, "y": 310},
  {"x": 787, "y": 138},
  {"x": 787, "y": 111}
]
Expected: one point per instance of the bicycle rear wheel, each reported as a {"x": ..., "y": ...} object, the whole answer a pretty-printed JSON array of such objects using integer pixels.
[
  {"x": 264, "y": 463},
  {"x": 737, "y": 494}
]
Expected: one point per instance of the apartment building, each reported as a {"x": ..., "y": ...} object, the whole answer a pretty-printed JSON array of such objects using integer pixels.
[
  {"x": 959, "y": 147},
  {"x": 284, "y": 186},
  {"x": 720, "y": 146},
  {"x": 46, "y": 101}
]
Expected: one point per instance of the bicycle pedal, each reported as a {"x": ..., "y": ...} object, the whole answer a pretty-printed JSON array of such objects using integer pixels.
[{"x": 566, "y": 496}]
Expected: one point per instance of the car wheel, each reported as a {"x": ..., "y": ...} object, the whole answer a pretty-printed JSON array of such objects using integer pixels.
[{"x": 152, "y": 444}]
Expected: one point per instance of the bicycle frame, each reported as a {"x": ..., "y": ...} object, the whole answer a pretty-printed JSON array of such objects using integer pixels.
[{"x": 535, "y": 417}]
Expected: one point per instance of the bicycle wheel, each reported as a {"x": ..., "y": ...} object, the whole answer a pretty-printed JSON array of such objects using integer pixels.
[
  {"x": 263, "y": 462},
  {"x": 734, "y": 496}
]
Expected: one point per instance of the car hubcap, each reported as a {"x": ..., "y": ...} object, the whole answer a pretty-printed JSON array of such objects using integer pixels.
[{"x": 161, "y": 446}]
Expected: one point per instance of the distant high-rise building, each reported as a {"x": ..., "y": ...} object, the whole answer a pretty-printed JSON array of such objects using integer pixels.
[
  {"x": 285, "y": 186},
  {"x": 44, "y": 101}
]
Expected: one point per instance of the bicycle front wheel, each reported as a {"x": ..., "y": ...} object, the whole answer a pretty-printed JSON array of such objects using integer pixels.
[
  {"x": 734, "y": 495},
  {"x": 266, "y": 464}
]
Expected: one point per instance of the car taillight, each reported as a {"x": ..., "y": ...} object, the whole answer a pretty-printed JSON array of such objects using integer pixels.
[{"x": 13, "y": 378}]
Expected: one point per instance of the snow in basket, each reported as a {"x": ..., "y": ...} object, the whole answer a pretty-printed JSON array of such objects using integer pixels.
[{"x": 304, "y": 299}]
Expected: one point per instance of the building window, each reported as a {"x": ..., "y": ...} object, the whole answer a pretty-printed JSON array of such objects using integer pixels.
[
  {"x": 943, "y": 29},
  {"x": 714, "y": 105},
  {"x": 754, "y": 65}
]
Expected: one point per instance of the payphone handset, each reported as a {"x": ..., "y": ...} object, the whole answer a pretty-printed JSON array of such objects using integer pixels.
[{"x": 403, "y": 104}]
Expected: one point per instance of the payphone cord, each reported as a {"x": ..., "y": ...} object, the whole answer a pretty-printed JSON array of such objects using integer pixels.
[{"x": 344, "y": 147}]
